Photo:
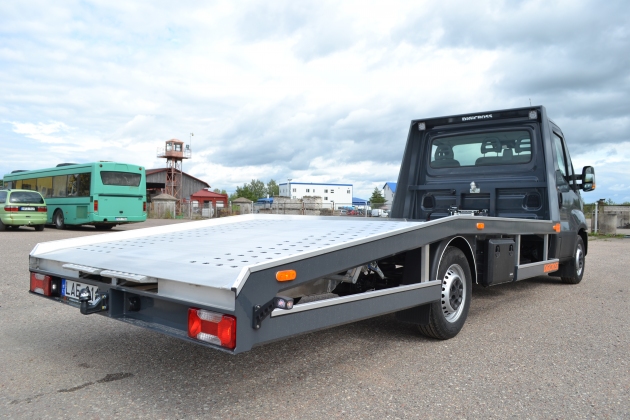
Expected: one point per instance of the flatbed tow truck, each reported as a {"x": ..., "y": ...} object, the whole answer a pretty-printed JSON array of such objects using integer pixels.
[{"x": 486, "y": 198}]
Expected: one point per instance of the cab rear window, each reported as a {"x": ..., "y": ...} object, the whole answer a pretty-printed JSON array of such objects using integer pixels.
[
  {"x": 24, "y": 197},
  {"x": 482, "y": 149},
  {"x": 125, "y": 179}
]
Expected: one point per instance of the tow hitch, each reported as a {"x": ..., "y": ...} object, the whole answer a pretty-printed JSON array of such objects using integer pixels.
[{"x": 99, "y": 305}]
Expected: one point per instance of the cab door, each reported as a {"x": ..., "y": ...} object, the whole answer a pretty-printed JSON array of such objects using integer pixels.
[{"x": 569, "y": 199}]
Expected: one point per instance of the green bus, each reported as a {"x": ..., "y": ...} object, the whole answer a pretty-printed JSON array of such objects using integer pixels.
[{"x": 102, "y": 194}]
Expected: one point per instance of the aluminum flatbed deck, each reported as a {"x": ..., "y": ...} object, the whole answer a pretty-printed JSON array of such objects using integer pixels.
[{"x": 218, "y": 254}]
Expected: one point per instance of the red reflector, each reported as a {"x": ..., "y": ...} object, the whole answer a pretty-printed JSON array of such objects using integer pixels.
[
  {"x": 42, "y": 209},
  {"x": 212, "y": 327},
  {"x": 41, "y": 283},
  {"x": 95, "y": 206},
  {"x": 11, "y": 208}
]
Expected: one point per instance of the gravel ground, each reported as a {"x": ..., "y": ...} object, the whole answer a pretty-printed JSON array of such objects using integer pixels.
[{"x": 533, "y": 349}]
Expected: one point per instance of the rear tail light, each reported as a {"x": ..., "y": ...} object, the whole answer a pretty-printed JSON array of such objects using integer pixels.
[
  {"x": 95, "y": 206},
  {"x": 11, "y": 208},
  {"x": 212, "y": 327},
  {"x": 144, "y": 206},
  {"x": 45, "y": 285},
  {"x": 43, "y": 209}
]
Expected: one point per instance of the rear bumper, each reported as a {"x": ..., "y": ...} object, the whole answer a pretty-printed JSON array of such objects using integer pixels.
[
  {"x": 169, "y": 316},
  {"x": 28, "y": 219},
  {"x": 108, "y": 219}
]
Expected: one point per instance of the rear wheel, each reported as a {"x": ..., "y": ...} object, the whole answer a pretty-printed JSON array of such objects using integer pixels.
[
  {"x": 447, "y": 316},
  {"x": 59, "y": 220},
  {"x": 39, "y": 228},
  {"x": 577, "y": 263},
  {"x": 2, "y": 226},
  {"x": 103, "y": 227}
]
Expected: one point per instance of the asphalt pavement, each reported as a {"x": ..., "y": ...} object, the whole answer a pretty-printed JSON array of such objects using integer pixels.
[{"x": 533, "y": 349}]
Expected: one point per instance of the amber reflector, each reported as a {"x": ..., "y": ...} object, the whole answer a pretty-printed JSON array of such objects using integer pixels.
[{"x": 286, "y": 275}]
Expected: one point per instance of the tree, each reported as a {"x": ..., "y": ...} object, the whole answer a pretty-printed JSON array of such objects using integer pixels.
[
  {"x": 252, "y": 191},
  {"x": 377, "y": 200},
  {"x": 272, "y": 188}
]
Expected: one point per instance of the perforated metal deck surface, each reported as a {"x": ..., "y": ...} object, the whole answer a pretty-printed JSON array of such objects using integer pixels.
[{"x": 219, "y": 253}]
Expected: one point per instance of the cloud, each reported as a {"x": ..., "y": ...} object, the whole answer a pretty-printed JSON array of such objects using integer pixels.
[
  {"x": 312, "y": 90},
  {"x": 43, "y": 132}
]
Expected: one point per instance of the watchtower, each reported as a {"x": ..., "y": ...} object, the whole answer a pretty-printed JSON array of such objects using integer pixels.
[{"x": 174, "y": 152}]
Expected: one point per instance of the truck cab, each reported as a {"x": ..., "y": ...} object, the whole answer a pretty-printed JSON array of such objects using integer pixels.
[{"x": 511, "y": 163}]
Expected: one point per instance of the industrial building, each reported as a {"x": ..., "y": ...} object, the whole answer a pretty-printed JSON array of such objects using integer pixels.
[
  {"x": 337, "y": 195},
  {"x": 156, "y": 183},
  {"x": 389, "y": 190}
]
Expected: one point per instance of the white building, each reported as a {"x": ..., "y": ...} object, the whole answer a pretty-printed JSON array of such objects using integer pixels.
[
  {"x": 338, "y": 195},
  {"x": 389, "y": 190}
]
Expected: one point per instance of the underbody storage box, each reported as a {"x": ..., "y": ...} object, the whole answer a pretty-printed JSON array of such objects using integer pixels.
[{"x": 500, "y": 261}]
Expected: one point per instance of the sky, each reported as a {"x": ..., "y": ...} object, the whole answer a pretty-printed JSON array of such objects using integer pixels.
[{"x": 315, "y": 91}]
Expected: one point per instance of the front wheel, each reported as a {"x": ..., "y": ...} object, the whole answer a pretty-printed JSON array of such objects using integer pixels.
[
  {"x": 447, "y": 316},
  {"x": 577, "y": 263},
  {"x": 59, "y": 220}
]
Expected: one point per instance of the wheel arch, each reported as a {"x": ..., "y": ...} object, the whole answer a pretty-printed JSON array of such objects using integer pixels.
[
  {"x": 584, "y": 237},
  {"x": 460, "y": 242}
]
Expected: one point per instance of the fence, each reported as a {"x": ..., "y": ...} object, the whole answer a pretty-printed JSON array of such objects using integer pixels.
[
  {"x": 193, "y": 211},
  {"x": 311, "y": 208}
]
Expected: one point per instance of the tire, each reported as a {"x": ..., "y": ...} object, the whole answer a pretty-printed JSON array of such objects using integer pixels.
[
  {"x": 3, "y": 227},
  {"x": 577, "y": 264},
  {"x": 447, "y": 317},
  {"x": 39, "y": 228},
  {"x": 58, "y": 220},
  {"x": 104, "y": 227}
]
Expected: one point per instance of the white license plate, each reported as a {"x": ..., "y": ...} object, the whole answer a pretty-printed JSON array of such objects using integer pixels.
[
  {"x": 71, "y": 289},
  {"x": 121, "y": 219},
  {"x": 27, "y": 208}
]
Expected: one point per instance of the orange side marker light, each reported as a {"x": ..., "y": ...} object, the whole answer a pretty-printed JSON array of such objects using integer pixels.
[
  {"x": 556, "y": 227},
  {"x": 481, "y": 226},
  {"x": 286, "y": 275}
]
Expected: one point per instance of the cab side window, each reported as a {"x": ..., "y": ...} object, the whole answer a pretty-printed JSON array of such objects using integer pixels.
[
  {"x": 561, "y": 151},
  {"x": 562, "y": 179}
]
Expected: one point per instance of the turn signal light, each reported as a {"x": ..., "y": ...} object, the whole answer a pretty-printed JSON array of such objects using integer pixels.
[
  {"x": 481, "y": 226},
  {"x": 11, "y": 208},
  {"x": 556, "y": 227},
  {"x": 41, "y": 284},
  {"x": 286, "y": 275},
  {"x": 212, "y": 327}
]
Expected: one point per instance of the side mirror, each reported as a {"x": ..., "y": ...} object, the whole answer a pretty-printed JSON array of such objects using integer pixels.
[{"x": 588, "y": 178}]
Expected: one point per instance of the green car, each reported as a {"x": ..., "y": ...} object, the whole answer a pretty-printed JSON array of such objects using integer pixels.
[{"x": 22, "y": 208}]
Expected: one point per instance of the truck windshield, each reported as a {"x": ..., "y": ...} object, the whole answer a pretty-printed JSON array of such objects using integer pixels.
[
  {"x": 125, "y": 179},
  {"x": 482, "y": 149}
]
